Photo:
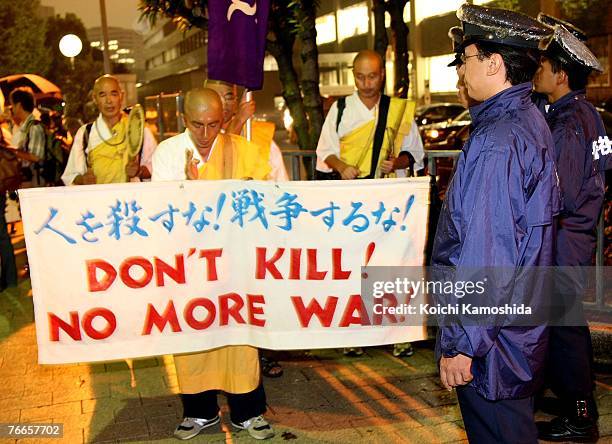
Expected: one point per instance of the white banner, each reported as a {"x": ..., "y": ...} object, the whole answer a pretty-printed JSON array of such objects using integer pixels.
[{"x": 144, "y": 269}]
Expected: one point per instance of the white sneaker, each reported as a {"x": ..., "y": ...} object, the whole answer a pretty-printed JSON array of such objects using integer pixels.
[
  {"x": 190, "y": 427},
  {"x": 257, "y": 427}
]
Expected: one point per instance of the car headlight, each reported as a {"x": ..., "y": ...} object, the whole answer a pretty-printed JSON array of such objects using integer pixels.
[
  {"x": 432, "y": 133},
  {"x": 287, "y": 119}
]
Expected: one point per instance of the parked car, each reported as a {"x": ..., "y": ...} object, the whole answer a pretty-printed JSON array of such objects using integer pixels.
[
  {"x": 447, "y": 135},
  {"x": 437, "y": 112}
]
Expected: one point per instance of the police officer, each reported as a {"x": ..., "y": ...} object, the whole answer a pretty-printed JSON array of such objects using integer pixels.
[
  {"x": 498, "y": 212},
  {"x": 575, "y": 126}
]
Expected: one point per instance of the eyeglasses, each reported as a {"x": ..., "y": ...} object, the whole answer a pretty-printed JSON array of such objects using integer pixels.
[{"x": 464, "y": 58}]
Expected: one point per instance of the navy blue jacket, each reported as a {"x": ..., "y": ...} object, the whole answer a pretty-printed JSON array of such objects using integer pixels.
[
  {"x": 499, "y": 212},
  {"x": 575, "y": 125}
]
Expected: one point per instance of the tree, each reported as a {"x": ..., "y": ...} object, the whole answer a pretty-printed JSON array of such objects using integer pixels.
[
  {"x": 22, "y": 38},
  {"x": 75, "y": 80},
  {"x": 581, "y": 13},
  {"x": 399, "y": 35},
  {"x": 291, "y": 25}
]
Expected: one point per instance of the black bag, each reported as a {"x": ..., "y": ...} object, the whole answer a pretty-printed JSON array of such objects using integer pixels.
[{"x": 333, "y": 175}]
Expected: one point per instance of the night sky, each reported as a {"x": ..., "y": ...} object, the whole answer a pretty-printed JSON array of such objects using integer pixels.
[{"x": 121, "y": 13}]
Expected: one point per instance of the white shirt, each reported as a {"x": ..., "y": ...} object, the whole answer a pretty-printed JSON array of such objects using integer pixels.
[
  {"x": 354, "y": 115},
  {"x": 169, "y": 159},
  {"x": 77, "y": 164},
  {"x": 278, "y": 172}
]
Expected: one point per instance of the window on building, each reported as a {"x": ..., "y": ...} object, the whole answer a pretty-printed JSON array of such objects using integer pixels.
[
  {"x": 424, "y": 9},
  {"x": 441, "y": 77},
  {"x": 270, "y": 63},
  {"x": 326, "y": 29},
  {"x": 352, "y": 21},
  {"x": 328, "y": 77}
]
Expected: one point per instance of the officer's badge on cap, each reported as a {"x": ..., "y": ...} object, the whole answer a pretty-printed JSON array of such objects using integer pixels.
[
  {"x": 500, "y": 26},
  {"x": 553, "y": 21},
  {"x": 456, "y": 35},
  {"x": 565, "y": 47}
]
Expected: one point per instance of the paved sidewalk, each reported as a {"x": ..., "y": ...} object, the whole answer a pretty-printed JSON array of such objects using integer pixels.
[{"x": 323, "y": 396}]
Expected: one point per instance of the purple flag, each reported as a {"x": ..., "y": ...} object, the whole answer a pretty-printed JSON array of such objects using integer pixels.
[{"x": 237, "y": 41}]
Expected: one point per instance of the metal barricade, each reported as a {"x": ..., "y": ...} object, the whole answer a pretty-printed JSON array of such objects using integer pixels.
[
  {"x": 297, "y": 168},
  {"x": 167, "y": 110}
]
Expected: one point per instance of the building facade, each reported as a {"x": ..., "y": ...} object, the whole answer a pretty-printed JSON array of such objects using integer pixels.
[
  {"x": 346, "y": 26},
  {"x": 125, "y": 47}
]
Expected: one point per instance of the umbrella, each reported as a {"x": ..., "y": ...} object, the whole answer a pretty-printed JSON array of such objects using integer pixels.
[
  {"x": 40, "y": 86},
  {"x": 45, "y": 92}
]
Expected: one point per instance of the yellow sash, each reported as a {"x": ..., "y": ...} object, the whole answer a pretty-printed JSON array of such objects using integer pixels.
[
  {"x": 107, "y": 158},
  {"x": 234, "y": 157},
  {"x": 356, "y": 146},
  {"x": 233, "y": 369},
  {"x": 263, "y": 133}
]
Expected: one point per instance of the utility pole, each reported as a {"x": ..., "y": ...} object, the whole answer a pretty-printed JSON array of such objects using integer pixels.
[{"x": 107, "y": 65}]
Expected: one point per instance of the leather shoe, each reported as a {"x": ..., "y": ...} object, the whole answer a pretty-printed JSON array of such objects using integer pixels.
[{"x": 564, "y": 428}]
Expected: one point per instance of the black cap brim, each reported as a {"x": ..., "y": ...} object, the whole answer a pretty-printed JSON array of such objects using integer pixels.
[{"x": 456, "y": 61}]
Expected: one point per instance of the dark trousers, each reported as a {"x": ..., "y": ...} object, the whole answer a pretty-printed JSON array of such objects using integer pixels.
[
  {"x": 8, "y": 274},
  {"x": 569, "y": 370},
  {"x": 507, "y": 421},
  {"x": 242, "y": 406}
]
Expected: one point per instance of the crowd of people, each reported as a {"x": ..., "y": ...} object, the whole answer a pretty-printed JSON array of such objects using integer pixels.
[{"x": 528, "y": 190}]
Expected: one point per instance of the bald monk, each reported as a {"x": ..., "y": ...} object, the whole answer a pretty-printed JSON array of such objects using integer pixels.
[
  {"x": 97, "y": 154},
  {"x": 202, "y": 152},
  {"x": 346, "y": 148},
  {"x": 235, "y": 116}
]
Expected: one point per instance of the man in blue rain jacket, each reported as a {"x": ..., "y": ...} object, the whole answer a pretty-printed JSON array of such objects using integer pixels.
[
  {"x": 577, "y": 129},
  {"x": 499, "y": 212}
]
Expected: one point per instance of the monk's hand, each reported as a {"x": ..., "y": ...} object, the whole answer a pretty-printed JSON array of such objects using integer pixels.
[
  {"x": 349, "y": 172},
  {"x": 388, "y": 166},
  {"x": 132, "y": 168},
  {"x": 191, "y": 165},
  {"x": 89, "y": 178},
  {"x": 246, "y": 110},
  {"x": 455, "y": 371}
]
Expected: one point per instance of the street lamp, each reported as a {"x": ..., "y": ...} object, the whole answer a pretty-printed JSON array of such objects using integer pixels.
[{"x": 70, "y": 46}]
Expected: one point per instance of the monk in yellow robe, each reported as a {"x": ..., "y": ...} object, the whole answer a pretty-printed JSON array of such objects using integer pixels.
[
  {"x": 346, "y": 145},
  {"x": 98, "y": 152},
  {"x": 235, "y": 117},
  {"x": 203, "y": 153}
]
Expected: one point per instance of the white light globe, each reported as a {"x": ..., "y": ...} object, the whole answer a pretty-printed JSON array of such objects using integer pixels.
[{"x": 70, "y": 45}]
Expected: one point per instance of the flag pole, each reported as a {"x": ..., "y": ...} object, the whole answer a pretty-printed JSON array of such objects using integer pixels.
[
  {"x": 248, "y": 128},
  {"x": 105, "y": 53}
]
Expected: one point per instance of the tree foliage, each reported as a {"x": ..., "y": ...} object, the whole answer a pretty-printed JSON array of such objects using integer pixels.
[
  {"x": 399, "y": 40},
  {"x": 589, "y": 15},
  {"x": 22, "y": 38},
  {"x": 291, "y": 25}
]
